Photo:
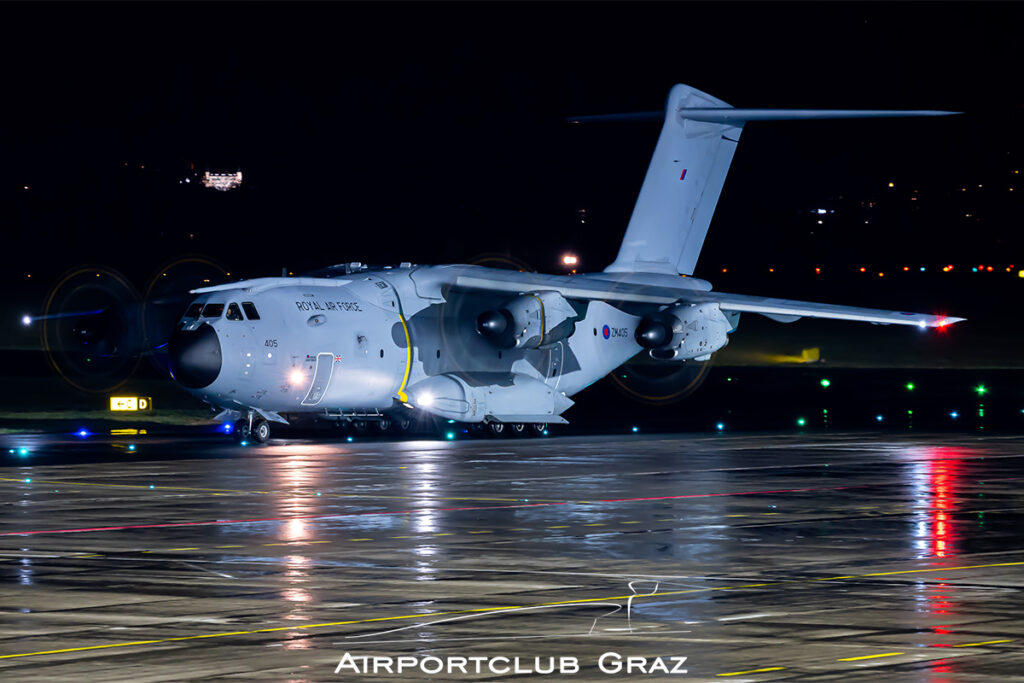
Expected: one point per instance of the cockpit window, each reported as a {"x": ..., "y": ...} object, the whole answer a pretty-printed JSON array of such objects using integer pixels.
[
  {"x": 250, "y": 310},
  {"x": 193, "y": 311},
  {"x": 234, "y": 313},
  {"x": 213, "y": 310}
]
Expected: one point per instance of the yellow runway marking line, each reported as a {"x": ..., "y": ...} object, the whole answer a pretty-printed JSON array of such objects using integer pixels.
[
  {"x": 754, "y": 671},
  {"x": 595, "y": 524},
  {"x": 631, "y": 522},
  {"x": 481, "y": 532},
  {"x": 560, "y": 526},
  {"x": 225, "y": 546},
  {"x": 857, "y": 659},
  {"x": 311, "y": 542},
  {"x": 401, "y": 537},
  {"x": 443, "y": 533},
  {"x": 479, "y": 610},
  {"x": 171, "y": 550},
  {"x": 356, "y": 540},
  {"x": 986, "y": 642}
]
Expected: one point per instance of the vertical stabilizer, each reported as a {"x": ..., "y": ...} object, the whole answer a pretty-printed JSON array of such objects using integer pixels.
[
  {"x": 679, "y": 194},
  {"x": 687, "y": 172}
]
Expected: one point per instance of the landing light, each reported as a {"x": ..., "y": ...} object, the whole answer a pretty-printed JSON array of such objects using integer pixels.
[
  {"x": 425, "y": 400},
  {"x": 26, "y": 320},
  {"x": 296, "y": 376},
  {"x": 570, "y": 260}
]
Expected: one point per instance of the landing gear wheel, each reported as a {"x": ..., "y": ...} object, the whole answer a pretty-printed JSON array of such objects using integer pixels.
[
  {"x": 518, "y": 428},
  {"x": 261, "y": 430},
  {"x": 359, "y": 426},
  {"x": 538, "y": 428},
  {"x": 497, "y": 428},
  {"x": 384, "y": 426},
  {"x": 242, "y": 430},
  {"x": 403, "y": 425}
]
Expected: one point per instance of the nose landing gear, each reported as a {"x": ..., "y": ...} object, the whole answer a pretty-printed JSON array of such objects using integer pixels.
[{"x": 252, "y": 427}]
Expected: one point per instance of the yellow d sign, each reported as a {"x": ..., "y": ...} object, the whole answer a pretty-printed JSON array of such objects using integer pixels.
[{"x": 130, "y": 403}]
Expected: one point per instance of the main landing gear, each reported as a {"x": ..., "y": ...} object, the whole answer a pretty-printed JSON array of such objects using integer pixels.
[{"x": 504, "y": 429}]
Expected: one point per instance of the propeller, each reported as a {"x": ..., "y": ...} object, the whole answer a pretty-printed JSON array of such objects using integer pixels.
[{"x": 96, "y": 328}]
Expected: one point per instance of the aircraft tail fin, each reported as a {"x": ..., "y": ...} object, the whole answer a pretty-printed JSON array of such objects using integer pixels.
[{"x": 687, "y": 172}]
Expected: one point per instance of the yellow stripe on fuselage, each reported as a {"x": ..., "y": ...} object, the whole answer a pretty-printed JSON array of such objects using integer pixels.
[{"x": 402, "y": 396}]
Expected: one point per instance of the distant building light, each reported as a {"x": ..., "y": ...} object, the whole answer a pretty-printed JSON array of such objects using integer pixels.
[
  {"x": 570, "y": 260},
  {"x": 892, "y": 184},
  {"x": 821, "y": 211},
  {"x": 222, "y": 182}
]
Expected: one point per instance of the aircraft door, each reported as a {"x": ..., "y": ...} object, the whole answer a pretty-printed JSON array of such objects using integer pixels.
[{"x": 321, "y": 379}]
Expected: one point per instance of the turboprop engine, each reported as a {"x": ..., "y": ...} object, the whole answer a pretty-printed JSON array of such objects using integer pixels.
[
  {"x": 530, "y": 321},
  {"x": 685, "y": 331}
]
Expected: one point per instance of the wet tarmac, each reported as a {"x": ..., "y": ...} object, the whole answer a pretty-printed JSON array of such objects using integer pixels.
[{"x": 774, "y": 557}]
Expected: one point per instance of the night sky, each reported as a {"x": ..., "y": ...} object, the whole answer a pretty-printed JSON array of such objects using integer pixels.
[{"x": 435, "y": 133}]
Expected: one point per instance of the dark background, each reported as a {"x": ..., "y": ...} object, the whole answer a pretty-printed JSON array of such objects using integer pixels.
[{"x": 436, "y": 133}]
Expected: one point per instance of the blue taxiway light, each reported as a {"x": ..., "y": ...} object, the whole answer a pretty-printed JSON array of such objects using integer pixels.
[
  {"x": 28, "y": 480},
  {"x": 151, "y": 486},
  {"x": 131, "y": 447},
  {"x": 22, "y": 451},
  {"x": 82, "y": 433},
  {"x": 879, "y": 418},
  {"x": 227, "y": 427},
  {"x": 720, "y": 426},
  {"x": 450, "y": 435},
  {"x": 954, "y": 415},
  {"x": 546, "y": 431},
  {"x": 350, "y": 439},
  {"x": 243, "y": 443},
  {"x": 636, "y": 429}
]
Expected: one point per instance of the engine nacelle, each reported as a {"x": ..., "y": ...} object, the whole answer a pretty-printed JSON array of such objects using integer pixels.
[
  {"x": 685, "y": 331},
  {"x": 529, "y": 321}
]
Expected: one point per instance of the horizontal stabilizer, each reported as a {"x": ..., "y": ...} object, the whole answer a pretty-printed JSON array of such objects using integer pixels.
[{"x": 733, "y": 115}]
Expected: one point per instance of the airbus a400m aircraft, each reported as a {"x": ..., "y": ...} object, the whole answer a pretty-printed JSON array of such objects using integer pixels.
[{"x": 479, "y": 345}]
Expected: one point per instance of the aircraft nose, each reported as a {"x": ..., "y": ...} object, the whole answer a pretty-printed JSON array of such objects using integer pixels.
[{"x": 194, "y": 356}]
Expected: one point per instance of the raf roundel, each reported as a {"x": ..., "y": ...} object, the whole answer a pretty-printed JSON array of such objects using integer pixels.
[{"x": 606, "y": 331}]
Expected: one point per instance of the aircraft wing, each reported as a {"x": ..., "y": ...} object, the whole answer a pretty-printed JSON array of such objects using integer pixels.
[
  {"x": 787, "y": 310},
  {"x": 571, "y": 287},
  {"x": 592, "y": 288}
]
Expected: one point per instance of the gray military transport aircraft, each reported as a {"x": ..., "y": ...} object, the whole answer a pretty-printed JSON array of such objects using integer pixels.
[{"x": 491, "y": 347}]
